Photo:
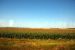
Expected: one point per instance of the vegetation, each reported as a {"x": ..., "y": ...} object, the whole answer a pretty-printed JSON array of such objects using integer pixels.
[
  {"x": 37, "y": 35},
  {"x": 36, "y": 44},
  {"x": 37, "y": 39}
]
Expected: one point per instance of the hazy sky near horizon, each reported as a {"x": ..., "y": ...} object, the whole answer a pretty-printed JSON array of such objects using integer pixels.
[{"x": 37, "y": 13}]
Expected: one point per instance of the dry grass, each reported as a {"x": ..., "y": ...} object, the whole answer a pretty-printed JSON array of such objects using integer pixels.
[
  {"x": 37, "y": 30},
  {"x": 34, "y": 44}
]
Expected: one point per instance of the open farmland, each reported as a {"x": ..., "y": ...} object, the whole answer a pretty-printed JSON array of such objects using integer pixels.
[{"x": 37, "y": 39}]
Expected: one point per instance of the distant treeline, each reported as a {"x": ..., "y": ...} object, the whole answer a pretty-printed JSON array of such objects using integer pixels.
[{"x": 37, "y": 35}]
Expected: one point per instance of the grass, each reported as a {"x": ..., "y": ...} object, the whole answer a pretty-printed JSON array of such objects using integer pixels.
[
  {"x": 8, "y": 40},
  {"x": 36, "y": 44}
]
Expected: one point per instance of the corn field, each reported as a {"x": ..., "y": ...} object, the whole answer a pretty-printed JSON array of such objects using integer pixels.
[{"x": 37, "y": 35}]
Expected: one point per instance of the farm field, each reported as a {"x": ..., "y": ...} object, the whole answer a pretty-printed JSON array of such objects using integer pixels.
[
  {"x": 52, "y": 30},
  {"x": 37, "y": 39},
  {"x": 37, "y": 24},
  {"x": 34, "y": 44}
]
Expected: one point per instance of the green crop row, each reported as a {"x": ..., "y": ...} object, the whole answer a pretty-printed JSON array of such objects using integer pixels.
[{"x": 37, "y": 35}]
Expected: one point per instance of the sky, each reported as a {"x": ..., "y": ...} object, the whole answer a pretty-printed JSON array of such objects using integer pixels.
[{"x": 37, "y": 13}]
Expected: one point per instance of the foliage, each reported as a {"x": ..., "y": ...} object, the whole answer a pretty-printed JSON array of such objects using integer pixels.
[{"x": 37, "y": 35}]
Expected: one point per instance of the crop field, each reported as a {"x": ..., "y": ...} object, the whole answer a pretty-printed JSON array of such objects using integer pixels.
[{"x": 37, "y": 39}]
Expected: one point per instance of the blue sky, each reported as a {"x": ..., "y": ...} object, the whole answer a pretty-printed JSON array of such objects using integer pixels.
[{"x": 37, "y": 13}]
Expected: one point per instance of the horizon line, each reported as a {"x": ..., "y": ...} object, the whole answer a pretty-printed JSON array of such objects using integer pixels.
[{"x": 40, "y": 27}]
